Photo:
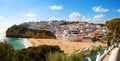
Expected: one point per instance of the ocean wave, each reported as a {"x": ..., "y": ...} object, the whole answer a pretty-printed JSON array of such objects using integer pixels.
[
  {"x": 27, "y": 43},
  {"x": 2, "y": 39}
]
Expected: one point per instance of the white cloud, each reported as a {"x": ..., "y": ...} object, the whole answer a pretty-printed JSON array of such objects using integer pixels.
[
  {"x": 100, "y": 16},
  {"x": 55, "y": 7},
  {"x": 30, "y": 19},
  {"x": 31, "y": 15},
  {"x": 1, "y": 17},
  {"x": 118, "y": 10},
  {"x": 52, "y": 18},
  {"x": 4, "y": 25},
  {"x": 84, "y": 18},
  {"x": 74, "y": 15},
  {"x": 100, "y": 9}
]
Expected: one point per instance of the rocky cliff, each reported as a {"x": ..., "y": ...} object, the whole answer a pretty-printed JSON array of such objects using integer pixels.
[{"x": 24, "y": 32}]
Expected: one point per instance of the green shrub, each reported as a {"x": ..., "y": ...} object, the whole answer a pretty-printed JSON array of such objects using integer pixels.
[
  {"x": 6, "y": 51},
  {"x": 42, "y": 53},
  {"x": 56, "y": 57},
  {"x": 36, "y": 53},
  {"x": 74, "y": 56}
]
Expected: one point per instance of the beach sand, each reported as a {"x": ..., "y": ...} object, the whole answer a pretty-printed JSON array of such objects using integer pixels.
[{"x": 66, "y": 46}]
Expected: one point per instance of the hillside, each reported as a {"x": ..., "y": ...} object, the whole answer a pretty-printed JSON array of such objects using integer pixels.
[{"x": 24, "y": 32}]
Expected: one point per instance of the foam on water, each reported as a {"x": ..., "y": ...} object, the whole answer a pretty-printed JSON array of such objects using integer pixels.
[
  {"x": 2, "y": 39},
  {"x": 19, "y": 43},
  {"x": 27, "y": 43}
]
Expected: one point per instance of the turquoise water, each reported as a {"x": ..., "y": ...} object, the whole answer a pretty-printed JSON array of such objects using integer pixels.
[{"x": 17, "y": 43}]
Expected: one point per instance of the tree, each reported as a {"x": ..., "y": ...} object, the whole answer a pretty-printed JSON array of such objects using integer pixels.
[
  {"x": 109, "y": 36},
  {"x": 114, "y": 26}
]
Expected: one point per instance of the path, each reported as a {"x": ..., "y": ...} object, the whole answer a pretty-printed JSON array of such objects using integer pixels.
[
  {"x": 113, "y": 55},
  {"x": 118, "y": 56},
  {"x": 107, "y": 56}
]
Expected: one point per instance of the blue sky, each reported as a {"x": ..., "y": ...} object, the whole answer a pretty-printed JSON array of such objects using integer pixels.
[{"x": 97, "y": 11}]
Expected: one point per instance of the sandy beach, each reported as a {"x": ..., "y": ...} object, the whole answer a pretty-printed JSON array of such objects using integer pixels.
[{"x": 66, "y": 46}]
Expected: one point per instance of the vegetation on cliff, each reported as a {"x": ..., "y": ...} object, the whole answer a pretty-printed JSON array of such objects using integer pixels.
[
  {"x": 7, "y": 53},
  {"x": 24, "y": 32},
  {"x": 43, "y": 53}
]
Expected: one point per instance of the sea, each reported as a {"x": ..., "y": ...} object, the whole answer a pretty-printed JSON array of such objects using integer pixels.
[{"x": 17, "y": 43}]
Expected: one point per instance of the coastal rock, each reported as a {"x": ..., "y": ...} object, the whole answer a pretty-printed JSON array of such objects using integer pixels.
[{"x": 24, "y": 32}]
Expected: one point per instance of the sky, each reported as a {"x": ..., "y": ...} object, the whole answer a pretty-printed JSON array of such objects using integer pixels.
[{"x": 19, "y": 11}]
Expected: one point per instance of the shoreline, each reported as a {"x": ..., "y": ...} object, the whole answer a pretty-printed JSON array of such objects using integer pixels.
[
  {"x": 27, "y": 43},
  {"x": 17, "y": 43},
  {"x": 66, "y": 46}
]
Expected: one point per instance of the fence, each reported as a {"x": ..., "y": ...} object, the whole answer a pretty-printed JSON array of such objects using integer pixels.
[{"x": 99, "y": 55}]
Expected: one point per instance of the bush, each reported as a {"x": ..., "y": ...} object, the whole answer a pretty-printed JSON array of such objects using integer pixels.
[
  {"x": 36, "y": 53},
  {"x": 55, "y": 57},
  {"x": 42, "y": 53},
  {"x": 6, "y": 51},
  {"x": 74, "y": 56}
]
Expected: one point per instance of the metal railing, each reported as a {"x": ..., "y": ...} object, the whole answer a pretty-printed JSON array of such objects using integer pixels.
[{"x": 100, "y": 54}]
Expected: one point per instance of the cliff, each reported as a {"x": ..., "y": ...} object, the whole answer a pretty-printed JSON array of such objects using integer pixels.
[{"x": 24, "y": 32}]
